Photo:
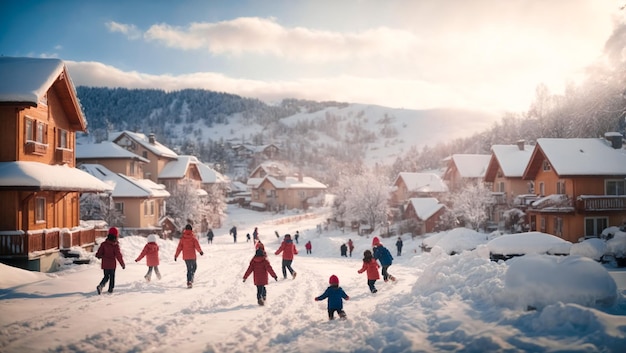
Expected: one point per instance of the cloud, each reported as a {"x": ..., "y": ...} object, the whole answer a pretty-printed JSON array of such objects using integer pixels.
[
  {"x": 266, "y": 37},
  {"x": 130, "y": 31}
]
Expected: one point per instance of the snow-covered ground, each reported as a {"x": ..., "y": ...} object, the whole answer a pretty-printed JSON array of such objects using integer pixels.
[{"x": 440, "y": 302}]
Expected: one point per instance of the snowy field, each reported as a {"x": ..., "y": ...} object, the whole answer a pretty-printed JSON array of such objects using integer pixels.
[{"x": 440, "y": 303}]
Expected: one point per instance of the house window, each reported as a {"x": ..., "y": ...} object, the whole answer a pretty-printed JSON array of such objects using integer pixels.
[
  {"x": 542, "y": 224},
  {"x": 531, "y": 187},
  {"x": 594, "y": 226},
  {"x": 35, "y": 131},
  {"x": 558, "y": 226},
  {"x": 119, "y": 207},
  {"x": 148, "y": 208},
  {"x": 40, "y": 209},
  {"x": 546, "y": 166},
  {"x": 151, "y": 207},
  {"x": 541, "y": 189},
  {"x": 302, "y": 194},
  {"x": 501, "y": 186},
  {"x": 62, "y": 139},
  {"x": 614, "y": 187},
  {"x": 144, "y": 154},
  {"x": 560, "y": 187},
  {"x": 29, "y": 130},
  {"x": 271, "y": 193}
]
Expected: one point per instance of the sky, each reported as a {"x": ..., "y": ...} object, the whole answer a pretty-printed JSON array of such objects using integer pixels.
[
  {"x": 483, "y": 54},
  {"x": 440, "y": 303}
]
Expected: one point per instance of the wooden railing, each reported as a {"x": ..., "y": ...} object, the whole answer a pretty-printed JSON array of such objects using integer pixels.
[
  {"x": 28, "y": 243},
  {"x": 601, "y": 203}
]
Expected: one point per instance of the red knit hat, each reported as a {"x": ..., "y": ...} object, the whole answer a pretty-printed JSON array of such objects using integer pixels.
[
  {"x": 375, "y": 241},
  {"x": 333, "y": 280},
  {"x": 114, "y": 231}
]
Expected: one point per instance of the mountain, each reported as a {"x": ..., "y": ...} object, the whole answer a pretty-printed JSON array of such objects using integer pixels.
[{"x": 310, "y": 134}]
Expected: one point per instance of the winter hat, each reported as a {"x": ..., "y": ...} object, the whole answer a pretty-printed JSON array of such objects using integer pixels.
[
  {"x": 259, "y": 252},
  {"x": 152, "y": 238},
  {"x": 287, "y": 236},
  {"x": 333, "y": 280},
  {"x": 375, "y": 241},
  {"x": 188, "y": 227},
  {"x": 114, "y": 231}
]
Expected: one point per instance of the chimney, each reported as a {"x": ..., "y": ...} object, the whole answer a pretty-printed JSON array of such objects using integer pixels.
[
  {"x": 615, "y": 138},
  {"x": 520, "y": 144},
  {"x": 151, "y": 138}
]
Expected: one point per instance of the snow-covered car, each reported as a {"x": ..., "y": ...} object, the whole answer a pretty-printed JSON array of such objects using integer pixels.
[
  {"x": 455, "y": 241},
  {"x": 615, "y": 246},
  {"x": 507, "y": 246}
]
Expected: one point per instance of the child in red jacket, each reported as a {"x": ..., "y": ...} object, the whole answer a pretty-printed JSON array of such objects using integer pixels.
[
  {"x": 371, "y": 266},
  {"x": 188, "y": 245},
  {"x": 151, "y": 252},
  {"x": 109, "y": 252},
  {"x": 261, "y": 267},
  {"x": 288, "y": 248}
]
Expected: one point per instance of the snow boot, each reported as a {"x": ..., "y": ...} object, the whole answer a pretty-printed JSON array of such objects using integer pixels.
[
  {"x": 261, "y": 302},
  {"x": 147, "y": 278},
  {"x": 294, "y": 274},
  {"x": 99, "y": 289},
  {"x": 189, "y": 284}
]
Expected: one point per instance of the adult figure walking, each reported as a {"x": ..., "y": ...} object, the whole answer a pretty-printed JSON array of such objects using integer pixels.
[
  {"x": 288, "y": 248},
  {"x": 233, "y": 232},
  {"x": 399, "y": 246}
]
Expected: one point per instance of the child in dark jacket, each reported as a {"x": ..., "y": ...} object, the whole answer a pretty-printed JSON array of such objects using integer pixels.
[
  {"x": 335, "y": 295},
  {"x": 109, "y": 252},
  {"x": 151, "y": 253},
  {"x": 371, "y": 266},
  {"x": 261, "y": 267},
  {"x": 384, "y": 256}
]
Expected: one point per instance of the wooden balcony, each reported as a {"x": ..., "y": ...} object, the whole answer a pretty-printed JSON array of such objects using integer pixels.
[
  {"x": 33, "y": 147},
  {"x": 20, "y": 244},
  {"x": 590, "y": 203}
]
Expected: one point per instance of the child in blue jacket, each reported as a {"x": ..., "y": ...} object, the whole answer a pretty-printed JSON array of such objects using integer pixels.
[
  {"x": 335, "y": 295},
  {"x": 383, "y": 255}
]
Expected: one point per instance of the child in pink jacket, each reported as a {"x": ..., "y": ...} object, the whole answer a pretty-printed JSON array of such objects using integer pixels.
[
  {"x": 371, "y": 266},
  {"x": 151, "y": 253}
]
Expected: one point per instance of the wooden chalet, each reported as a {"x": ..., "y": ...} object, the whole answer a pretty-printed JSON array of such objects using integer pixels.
[
  {"x": 280, "y": 193},
  {"x": 580, "y": 184},
  {"x": 465, "y": 168},
  {"x": 409, "y": 185},
  {"x": 39, "y": 184},
  {"x": 425, "y": 213}
]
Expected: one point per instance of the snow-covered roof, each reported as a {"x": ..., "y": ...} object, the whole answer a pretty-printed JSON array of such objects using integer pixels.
[
  {"x": 423, "y": 182},
  {"x": 125, "y": 186},
  {"x": 237, "y": 186},
  {"x": 512, "y": 159},
  {"x": 425, "y": 207},
  {"x": 157, "y": 148},
  {"x": 471, "y": 165},
  {"x": 106, "y": 149},
  {"x": 254, "y": 182},
  {"x": 295, "y": 183},
  {"x": 26, "y": 80},
  {"x": 272, "y": 168},
  {"x": 583, "y": 156},
  {"x": 210, "y": 175},
  {"x": 39, "y": 176},
  {"x": 177, "y": 169}
]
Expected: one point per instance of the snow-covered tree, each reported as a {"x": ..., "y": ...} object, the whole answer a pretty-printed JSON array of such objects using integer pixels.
[
  {"x": 185, "y": 204},
  {"x": 365, "y": 198},
  {"x": 100, "y": 207},
  {"x": 215, "y": 205},
  {"x": 471, "y": 203}
]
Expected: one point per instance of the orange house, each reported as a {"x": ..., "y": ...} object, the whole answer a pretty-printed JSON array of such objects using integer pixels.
[
  {"x": 504, "y": 173},
  {"x": 425, "y": 212},
  {"x": 580, "y": 184},
  {"x": 465, "y": 168},
  {"x": 39, "y": 184}
]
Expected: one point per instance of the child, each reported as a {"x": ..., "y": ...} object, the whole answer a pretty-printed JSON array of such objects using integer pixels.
[
  {"x": 188, "y": 244},
  {"x": 288, "y": 248},
  {"x": 384, "y": 256},
  {"x": 151, "y": 252},
  {"x": 261, "y": 267},
  {"x": 109, "y": 252},
  {"x": 308, "y": 247},
  {"x": 260, "y": 246},
  {"x": 335, "y": 294},
  {"x": 371, "y": 266}
]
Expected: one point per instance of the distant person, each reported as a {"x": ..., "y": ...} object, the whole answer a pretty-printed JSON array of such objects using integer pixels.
[
  {"x": 288, "y": 248},
  {"x": 255, "y": 235},
  {"x": 399, "y": 246},
  {"x": 151, "y": 253},
  {"x": 188, "y": 245},
  {"x": 344, "y": 250},
  {"x": 370, "y": 266},
  {"x": 350, "y": 247},
  {"x": 296, "y": 236},
  {"x": 209, "y": 236},
  {"x": 308, "y": 247},
  {"x": 384, "y": 256},
  {"x": 247, "y": 237},
  {"x": 233, "y": 232},
  {"x": 110, "y": 254},
  {"x": 335, "y": 295},
  {"x": 261, "y": 268}
]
